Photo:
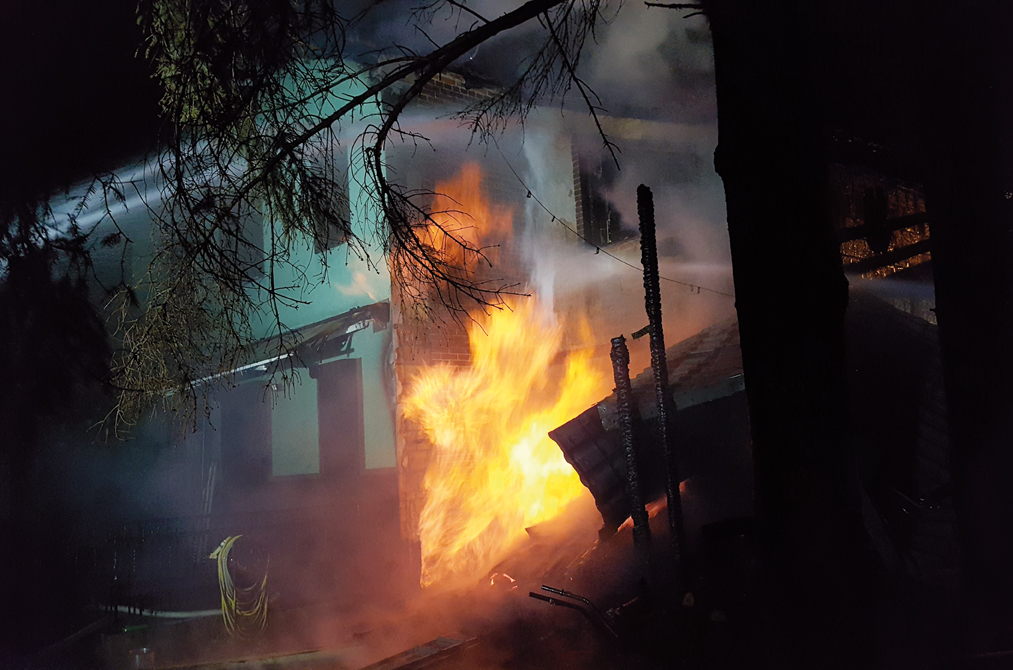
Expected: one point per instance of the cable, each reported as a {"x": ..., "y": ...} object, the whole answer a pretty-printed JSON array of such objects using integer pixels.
[
  {"x": 597, "y": 249},
  {"x": 234, "y": 611}
]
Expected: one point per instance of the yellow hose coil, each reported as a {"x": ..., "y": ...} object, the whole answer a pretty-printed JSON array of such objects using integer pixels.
[{"x": 248, "y": 604}]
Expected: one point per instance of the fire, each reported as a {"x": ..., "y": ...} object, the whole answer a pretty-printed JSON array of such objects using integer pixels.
[
  {"x": 462, "y": 219},
  {"x": 494, "y": 471}
]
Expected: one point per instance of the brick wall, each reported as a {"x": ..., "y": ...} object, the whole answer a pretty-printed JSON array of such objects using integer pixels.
[
  {"x": 449, "y": 88},
  {"x": 578, "y": 193}
]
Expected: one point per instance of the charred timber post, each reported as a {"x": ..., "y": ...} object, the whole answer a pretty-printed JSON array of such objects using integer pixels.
[
  {"x": 652, "y": 294},
  {"x": 621, "y": 371}
]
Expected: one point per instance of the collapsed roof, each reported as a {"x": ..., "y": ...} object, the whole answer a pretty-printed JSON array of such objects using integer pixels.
[{"x": 703, "y": 368}]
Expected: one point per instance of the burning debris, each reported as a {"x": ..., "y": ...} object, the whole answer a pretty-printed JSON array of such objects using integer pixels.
[
  {"x": 494, "y": 477},
  {"x": 503, "y": 503},
  {"x": 706, "y": 387}
]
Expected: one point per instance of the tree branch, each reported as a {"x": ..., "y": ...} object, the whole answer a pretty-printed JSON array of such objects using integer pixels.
[
  {"x": 425, "y": 68},
  {"x": 580, "y": 87}
]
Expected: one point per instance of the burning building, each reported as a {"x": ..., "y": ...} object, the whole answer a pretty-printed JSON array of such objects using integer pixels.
[
  {"x": 359, "y": 430},
  {"x": 432, "y": 448},
  {"x": 425, "y": 449}
]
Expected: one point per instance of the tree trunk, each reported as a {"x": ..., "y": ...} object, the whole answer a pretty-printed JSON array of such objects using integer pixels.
[
  {"x": 791, "y": 295},
  {"x": 970, "y": 111}
]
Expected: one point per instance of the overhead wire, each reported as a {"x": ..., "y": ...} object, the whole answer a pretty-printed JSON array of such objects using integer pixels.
[{"x": 597, "y": 248}]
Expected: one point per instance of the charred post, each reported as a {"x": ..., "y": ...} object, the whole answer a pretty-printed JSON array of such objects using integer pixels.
[
  {"x": 621, "y": 371},
  {"x": 659, "y": 365}
]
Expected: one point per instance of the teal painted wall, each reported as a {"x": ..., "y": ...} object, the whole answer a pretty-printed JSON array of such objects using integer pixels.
[
  {"x": 338, "y": 280},
  {"x": 330, "y": 284},
  {"x": 377, "y": 397}
]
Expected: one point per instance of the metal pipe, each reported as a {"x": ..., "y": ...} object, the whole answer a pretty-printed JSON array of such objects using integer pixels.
[
  {"x": 161, "y": 614},
  {"x": 621, "y": 372},
  {"x": 659, "y": 365},
  {"x": 591, "y": 606},
  {"x": 574, "y": 606}
]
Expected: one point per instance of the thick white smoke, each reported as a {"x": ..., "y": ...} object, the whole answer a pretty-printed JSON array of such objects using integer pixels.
[{"x": 644, "y": 61}]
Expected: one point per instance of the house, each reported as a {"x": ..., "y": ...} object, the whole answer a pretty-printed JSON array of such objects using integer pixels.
[
  {"x": 302, "y": 468},
  {"x": 323, "y": 476}
]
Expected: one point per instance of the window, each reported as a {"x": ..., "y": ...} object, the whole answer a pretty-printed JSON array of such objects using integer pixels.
[
  {"x": 340, "y": 418},
  {"x": 246, "y": 436},
  {"x": 317, "y": 427},
  {"x": 598, "y": 221}
]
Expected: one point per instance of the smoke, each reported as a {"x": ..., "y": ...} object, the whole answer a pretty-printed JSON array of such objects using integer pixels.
[
  {"x": 643, "y": 61},
  {"x": 605, "y": 283},
  {"x": 650, "y": 62}
]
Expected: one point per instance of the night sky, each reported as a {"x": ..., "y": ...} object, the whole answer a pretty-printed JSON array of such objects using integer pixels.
[{"x": 76, "y": 100}]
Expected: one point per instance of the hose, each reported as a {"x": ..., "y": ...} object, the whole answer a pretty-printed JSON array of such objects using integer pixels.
[
  {"x": 243, "y": 609},
  {"x": 160, "y": 614}
]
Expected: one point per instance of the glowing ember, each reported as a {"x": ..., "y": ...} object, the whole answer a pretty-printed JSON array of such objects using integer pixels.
[
  {"x": 494, "y": 471},
  {"x": 502, "y": 578}
]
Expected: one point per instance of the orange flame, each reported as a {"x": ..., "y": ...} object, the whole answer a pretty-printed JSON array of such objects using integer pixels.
[
  {"x": 494, "y": 471},
  {"x": 462, "y": 216}
]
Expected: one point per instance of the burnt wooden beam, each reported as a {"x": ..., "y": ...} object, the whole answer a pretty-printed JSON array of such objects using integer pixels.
[
  {"x": 659, "y": 366},
  {"x": 624, "y": 403}
]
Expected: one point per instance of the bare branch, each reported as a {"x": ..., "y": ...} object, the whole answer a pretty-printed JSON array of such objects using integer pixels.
[
  {"x": 465, "y": 8},
  {"x": 583, "y": 91}
]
